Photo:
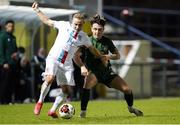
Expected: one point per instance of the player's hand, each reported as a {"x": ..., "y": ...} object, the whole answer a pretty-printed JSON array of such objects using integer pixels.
[
  {"x": 14, "y": 56},
  {"x": 35, "y": 6},
  {"x": 105, "y": 59},
  {"x": 84, "y": 71},
  {"x": 6, "y": 66}
]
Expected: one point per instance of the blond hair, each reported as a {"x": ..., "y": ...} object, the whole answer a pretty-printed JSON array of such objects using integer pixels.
[{"x": 80, "y": 16}]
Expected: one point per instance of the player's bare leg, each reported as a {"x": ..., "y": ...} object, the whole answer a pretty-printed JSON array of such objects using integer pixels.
[
  {"x": 44, "y": 90},
  {"x": 120, "y": 84},
  {"x": 61, "y": 98}
]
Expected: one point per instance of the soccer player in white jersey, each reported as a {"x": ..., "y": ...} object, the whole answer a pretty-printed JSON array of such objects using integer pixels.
[{"x": 59, "y": 59}]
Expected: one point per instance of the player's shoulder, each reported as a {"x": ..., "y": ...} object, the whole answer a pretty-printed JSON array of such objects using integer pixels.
[
  {"x": 4, "y": 34},
  {"x": 83, "y": 36},
  {"x": 61, "y": 23},
  {"x": 82, "y": 33},
  {"x": 104, "y": 38}
]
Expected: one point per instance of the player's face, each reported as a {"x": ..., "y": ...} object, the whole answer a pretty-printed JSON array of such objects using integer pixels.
[
  {"x": 9, "y": 27},
  {"x": 97, "y": 30},
  {"x": 77, "y": 24}
]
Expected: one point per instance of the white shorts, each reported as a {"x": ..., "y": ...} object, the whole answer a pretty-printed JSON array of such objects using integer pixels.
[{"x": 64, "y": 73}]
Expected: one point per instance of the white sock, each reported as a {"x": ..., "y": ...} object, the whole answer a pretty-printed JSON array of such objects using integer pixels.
[
  {"x": 59, "y": 100},
  {"x": 44, "y": 90}
]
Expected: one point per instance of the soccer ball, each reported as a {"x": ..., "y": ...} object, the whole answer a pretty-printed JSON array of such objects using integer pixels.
[{"x": 66, "y": 111}]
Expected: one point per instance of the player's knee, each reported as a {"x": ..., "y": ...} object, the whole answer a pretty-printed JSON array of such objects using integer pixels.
[
  {"x": 126, "y": 90},
  {"x": 49, "y": 79},
  {"x": 89, "y": 85},
  {"x": 67, "y": 90},
  {"x": 85, "y": 86}
]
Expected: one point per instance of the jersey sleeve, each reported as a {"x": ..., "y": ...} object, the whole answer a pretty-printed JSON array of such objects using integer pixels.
[
  {"x": 112, "y": 47},
  {"x": 85, "y": 40},
  {"x": 59, "y": 24},
  {"x": 2, "y": 47}
]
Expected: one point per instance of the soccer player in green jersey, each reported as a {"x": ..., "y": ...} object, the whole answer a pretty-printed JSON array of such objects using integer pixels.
[{"x": 99, "y": 70}]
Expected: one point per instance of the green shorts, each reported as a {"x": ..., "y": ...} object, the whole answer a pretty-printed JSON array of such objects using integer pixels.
[{"x": 105, "y": 77}]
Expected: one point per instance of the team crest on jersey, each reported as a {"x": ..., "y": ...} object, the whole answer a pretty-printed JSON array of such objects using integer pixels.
[
  {"x": 105, "y": 48},
  {"x": 8, "y": 39}
]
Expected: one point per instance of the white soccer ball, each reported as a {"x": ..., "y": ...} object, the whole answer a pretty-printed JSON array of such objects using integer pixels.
[{"x": 66, "y": 111}]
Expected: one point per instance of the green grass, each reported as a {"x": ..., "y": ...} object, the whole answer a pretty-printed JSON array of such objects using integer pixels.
[{"x": 156, "y": 111}]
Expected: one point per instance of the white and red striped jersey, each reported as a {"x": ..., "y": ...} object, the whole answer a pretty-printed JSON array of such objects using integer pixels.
[{"x": 67, "y": 42}]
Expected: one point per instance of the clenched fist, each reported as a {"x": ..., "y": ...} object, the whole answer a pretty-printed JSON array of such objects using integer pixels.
[{"x": 35, "y": 6}]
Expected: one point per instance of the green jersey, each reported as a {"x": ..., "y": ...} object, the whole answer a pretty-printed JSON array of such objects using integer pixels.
[
  {"x": 104, "y": 74},
  {"x": 7, "y": 48},
  {"x": 104, "y": 45}
]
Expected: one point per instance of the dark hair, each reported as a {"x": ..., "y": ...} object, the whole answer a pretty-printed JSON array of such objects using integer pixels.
[
  {"x": 97, "y": 19},
  {"x": 21, "y": 49},
  {"x": 9, "y": 21}
]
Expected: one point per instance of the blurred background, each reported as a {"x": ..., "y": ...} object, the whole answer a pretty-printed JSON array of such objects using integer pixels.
[{"x": 146, "y": 32}]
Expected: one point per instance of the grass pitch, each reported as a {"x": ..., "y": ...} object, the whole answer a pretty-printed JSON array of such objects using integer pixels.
[{"x": 156, "y": 111}]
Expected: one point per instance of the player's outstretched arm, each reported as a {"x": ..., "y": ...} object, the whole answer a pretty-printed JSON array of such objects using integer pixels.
[
  {"x": 113, "y": 56},
  {"x": 77, "y": 59},
  {"x": 95, "y": 52},
  {"x": 46, "y": 20}
]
